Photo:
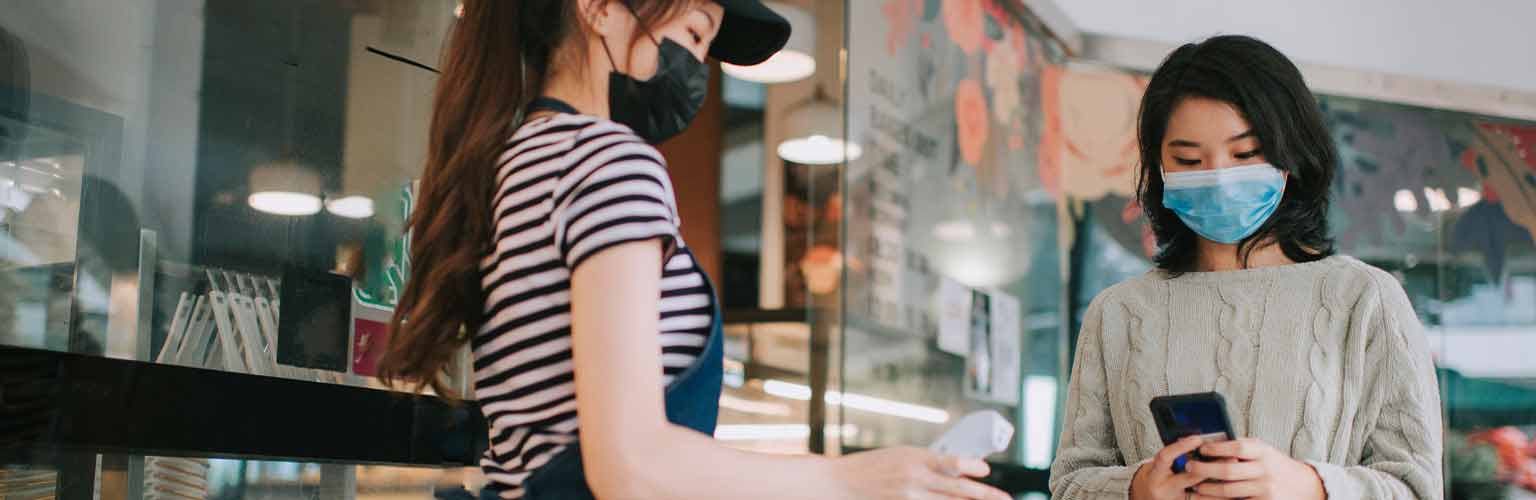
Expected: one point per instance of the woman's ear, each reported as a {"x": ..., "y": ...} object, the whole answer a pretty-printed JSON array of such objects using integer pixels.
[{"x": 598, "y": 16}]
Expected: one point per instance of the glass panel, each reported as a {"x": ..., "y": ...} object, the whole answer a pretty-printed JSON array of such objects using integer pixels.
[
  {"x": 953, "y": 300},
  {"x": 168, "y": 179}
]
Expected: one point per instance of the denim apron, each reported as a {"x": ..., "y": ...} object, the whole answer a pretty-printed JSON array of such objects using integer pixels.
[{"x": 692, "y": 398}]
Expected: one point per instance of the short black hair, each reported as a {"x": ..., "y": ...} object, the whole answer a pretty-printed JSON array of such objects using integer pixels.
[{"x": 1269, "y": 92}]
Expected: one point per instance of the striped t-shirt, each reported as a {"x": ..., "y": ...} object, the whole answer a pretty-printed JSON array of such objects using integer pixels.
[{"x": 568, "y": 186}]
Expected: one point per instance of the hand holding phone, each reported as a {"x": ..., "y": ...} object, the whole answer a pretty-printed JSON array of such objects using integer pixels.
[{"x": 1200, "y": 414}]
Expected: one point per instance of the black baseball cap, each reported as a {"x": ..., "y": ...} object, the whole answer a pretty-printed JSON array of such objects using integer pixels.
[{"x": 749, "y": 34}]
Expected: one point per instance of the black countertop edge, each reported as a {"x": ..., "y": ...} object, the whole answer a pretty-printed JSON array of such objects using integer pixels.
[{"x": 81, "y": 403}]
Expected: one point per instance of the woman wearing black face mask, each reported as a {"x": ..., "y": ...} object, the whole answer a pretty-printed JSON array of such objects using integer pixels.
[{"x": 547, "y": 238}]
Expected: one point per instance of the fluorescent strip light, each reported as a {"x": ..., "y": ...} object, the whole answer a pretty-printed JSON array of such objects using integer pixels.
[
  {"x": 778, "y": 432},
  {"x": 787, "y": 390},
  {"x": 351, "y": 207},
  {"x": 859, "y": 402},
  {"x": 1039, "y": 420},
  {"x": 758, "y": 407}
]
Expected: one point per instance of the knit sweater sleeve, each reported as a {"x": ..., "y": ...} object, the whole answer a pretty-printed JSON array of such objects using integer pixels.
[
  {"x": 1402, "y": 450},
  {"x": 1089, "y": 465}
]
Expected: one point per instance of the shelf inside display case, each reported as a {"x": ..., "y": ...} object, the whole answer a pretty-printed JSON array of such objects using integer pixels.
[{"x": 53, "y": 400}]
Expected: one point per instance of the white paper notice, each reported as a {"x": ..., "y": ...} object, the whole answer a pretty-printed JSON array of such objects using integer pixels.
[
  {"x": 954, "y": 317},
  {"x": 1007, "y": 355}
]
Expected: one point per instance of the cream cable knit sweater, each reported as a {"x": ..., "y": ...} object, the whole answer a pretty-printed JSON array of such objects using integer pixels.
[{"x": 1325, "y": 360}]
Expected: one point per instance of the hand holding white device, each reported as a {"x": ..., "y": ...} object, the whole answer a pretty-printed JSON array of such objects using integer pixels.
[{"x": 976, "y": 435}]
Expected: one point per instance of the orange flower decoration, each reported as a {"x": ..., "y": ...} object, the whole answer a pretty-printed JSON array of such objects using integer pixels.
[
  {"x": 963, "y": 20},
  {"x": 971, "y": 121}
]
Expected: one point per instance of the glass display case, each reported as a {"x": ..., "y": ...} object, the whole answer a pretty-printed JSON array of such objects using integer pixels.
[
  {"x": 168, "y": 183},
  {"x": 202, "y": 207}
]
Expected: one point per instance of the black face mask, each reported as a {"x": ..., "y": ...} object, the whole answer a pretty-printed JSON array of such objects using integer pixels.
[{"x": 661, "y": 107}]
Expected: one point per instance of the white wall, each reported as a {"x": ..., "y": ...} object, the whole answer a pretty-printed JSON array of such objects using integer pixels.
[{"x": 1481, "y": 42}]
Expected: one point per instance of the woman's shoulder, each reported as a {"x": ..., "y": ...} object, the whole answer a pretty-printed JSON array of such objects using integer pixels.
[
  {"x": 575, "y": 131},
  {"x": 1367, "y": 285},
  {"x": 1349, "y": 280},
  {"x": 1146, "y": 285}
]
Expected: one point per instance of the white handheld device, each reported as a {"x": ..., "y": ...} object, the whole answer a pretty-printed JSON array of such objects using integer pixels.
[{"x": 977, "y": 435}]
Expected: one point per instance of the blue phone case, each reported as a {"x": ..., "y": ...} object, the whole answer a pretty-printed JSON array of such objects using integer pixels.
[{"x": 1190, "y": 415}]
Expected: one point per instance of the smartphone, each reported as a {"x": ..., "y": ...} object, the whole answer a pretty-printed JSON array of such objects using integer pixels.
[{"x": 1201, "y": 414}]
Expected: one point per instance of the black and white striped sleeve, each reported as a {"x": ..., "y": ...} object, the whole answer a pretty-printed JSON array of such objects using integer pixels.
[{"x": 616, "y": 192}]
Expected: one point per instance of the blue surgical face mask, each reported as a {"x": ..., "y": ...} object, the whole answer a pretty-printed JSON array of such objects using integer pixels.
[{"x": 1225, "y": 205}]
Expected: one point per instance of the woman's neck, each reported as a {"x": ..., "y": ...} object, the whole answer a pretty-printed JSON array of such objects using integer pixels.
[
  {"x": 1215, "y": 256},
  {"x": 584, "y": 88},
  {"x": 581, "y": 93}
]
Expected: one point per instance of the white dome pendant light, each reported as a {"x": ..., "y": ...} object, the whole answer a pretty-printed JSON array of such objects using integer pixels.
[{"x": 816, "y": 135}]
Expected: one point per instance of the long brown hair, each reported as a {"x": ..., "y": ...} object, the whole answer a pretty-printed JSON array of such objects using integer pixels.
[{"x": 497, "y": 59}]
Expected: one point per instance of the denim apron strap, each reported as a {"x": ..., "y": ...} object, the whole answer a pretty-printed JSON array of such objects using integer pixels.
[
  {"x": 546, "y": 103},
  {"x": 692, "y": 400}
]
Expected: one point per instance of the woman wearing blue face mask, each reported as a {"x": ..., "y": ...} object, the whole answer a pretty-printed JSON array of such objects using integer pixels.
[
  {"x": 1320, "y": 357},
  {"x": 546, "y": 238}
]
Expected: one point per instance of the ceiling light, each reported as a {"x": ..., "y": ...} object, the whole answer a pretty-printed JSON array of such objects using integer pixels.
[
  {"x": 816, "y": 135},
  {"x": 285, "y": 203},
  {"x": 1466, "y": 197},
  {"x": 1405, "y": 202},
  {"x": 285, "y": 188},
  {"x": 1438, "y": 201},
  {"x": 796, "y": 61},
  {"x": 783, "y": 67},
  {"x": 351, "y": 207}
]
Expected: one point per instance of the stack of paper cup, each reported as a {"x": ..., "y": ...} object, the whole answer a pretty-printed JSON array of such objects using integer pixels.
[
  {"x": 175, "y": 479},
  {"x": 21, "y": 484}
]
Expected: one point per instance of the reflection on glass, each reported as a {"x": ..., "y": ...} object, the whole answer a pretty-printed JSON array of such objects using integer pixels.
[{"x": 161, "y": 175}]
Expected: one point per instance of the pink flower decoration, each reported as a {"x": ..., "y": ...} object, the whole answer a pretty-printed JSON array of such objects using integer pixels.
[
  {"x": 971, "y": 120},
  {"x": 996, "y": 10},
  {"x": 1020, "y": 44},
  {"x": 1524, "y": 139},
  {"x": 963, "y": 20},
  {"x": 901, "y": 17},
  {"x": 1050, "y": 148},
  {"x": 1132, "y": 215}
]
